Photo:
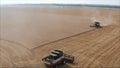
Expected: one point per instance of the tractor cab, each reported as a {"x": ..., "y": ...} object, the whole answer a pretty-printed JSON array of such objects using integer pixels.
[
  {"x": 60, "y": 52},
  {"x": 56, "y": 54},
  {"x": 96, "y": 25},
  {"x": 53, "y": 56}
]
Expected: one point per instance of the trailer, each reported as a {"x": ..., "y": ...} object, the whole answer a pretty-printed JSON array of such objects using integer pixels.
[{"x": 57, "y": 57}]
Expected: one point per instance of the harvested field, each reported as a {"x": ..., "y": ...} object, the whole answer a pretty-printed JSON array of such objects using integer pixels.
[
  {"x": 27, "y": 34},
  {"x": 96, "y": 48},
  {"x": 14, "y": 54}
]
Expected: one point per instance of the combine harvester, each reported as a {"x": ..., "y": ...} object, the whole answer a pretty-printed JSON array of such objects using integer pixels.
[
  {"x": 57, "y": 57},
  {"x": 96, "y": 25}
]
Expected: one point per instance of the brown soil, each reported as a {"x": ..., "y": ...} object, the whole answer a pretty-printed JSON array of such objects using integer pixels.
[
  {"x": 30, "y": 35},
  {"x": 97, "y": 48}
]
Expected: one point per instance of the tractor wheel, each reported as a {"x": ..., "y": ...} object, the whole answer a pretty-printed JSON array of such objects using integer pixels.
[
  {"x": 55, "y": 66},
  {"x": 64, "y": 62},
  {"x": 50, "y": 66}
]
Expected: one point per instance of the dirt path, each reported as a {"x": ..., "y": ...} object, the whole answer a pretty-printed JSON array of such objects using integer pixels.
[{"x": 97, "y": 48}]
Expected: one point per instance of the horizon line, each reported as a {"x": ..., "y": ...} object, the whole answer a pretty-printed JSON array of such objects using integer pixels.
[{"x": 66, "y": 5}]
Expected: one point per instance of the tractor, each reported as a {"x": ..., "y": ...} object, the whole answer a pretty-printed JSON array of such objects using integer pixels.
[{"x": 57, "y": 57}]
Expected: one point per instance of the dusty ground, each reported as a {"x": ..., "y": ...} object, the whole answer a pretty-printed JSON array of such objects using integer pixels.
[
  {"x": 34, "y": 26},
  {"x": 96, "y": 48},
  {"x": 21, "y": 47}
]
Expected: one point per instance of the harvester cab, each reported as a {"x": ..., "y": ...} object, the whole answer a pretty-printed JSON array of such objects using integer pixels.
[
  {"x": 96, "y": 25},
  {"x": 57, "y": 53}
]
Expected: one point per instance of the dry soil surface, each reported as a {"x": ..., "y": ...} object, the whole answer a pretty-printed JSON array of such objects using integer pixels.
[
  {"x": 24, "y": 30},
  {"x": 96, "y": 48}
]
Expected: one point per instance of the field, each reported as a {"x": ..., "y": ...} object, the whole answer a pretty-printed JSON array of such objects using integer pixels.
[
  {"x": 28, "y": 34},
  {"x": 96, "y": 48}
]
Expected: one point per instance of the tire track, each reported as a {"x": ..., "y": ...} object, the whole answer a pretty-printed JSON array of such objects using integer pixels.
[{"x": 14, "y": 54}]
